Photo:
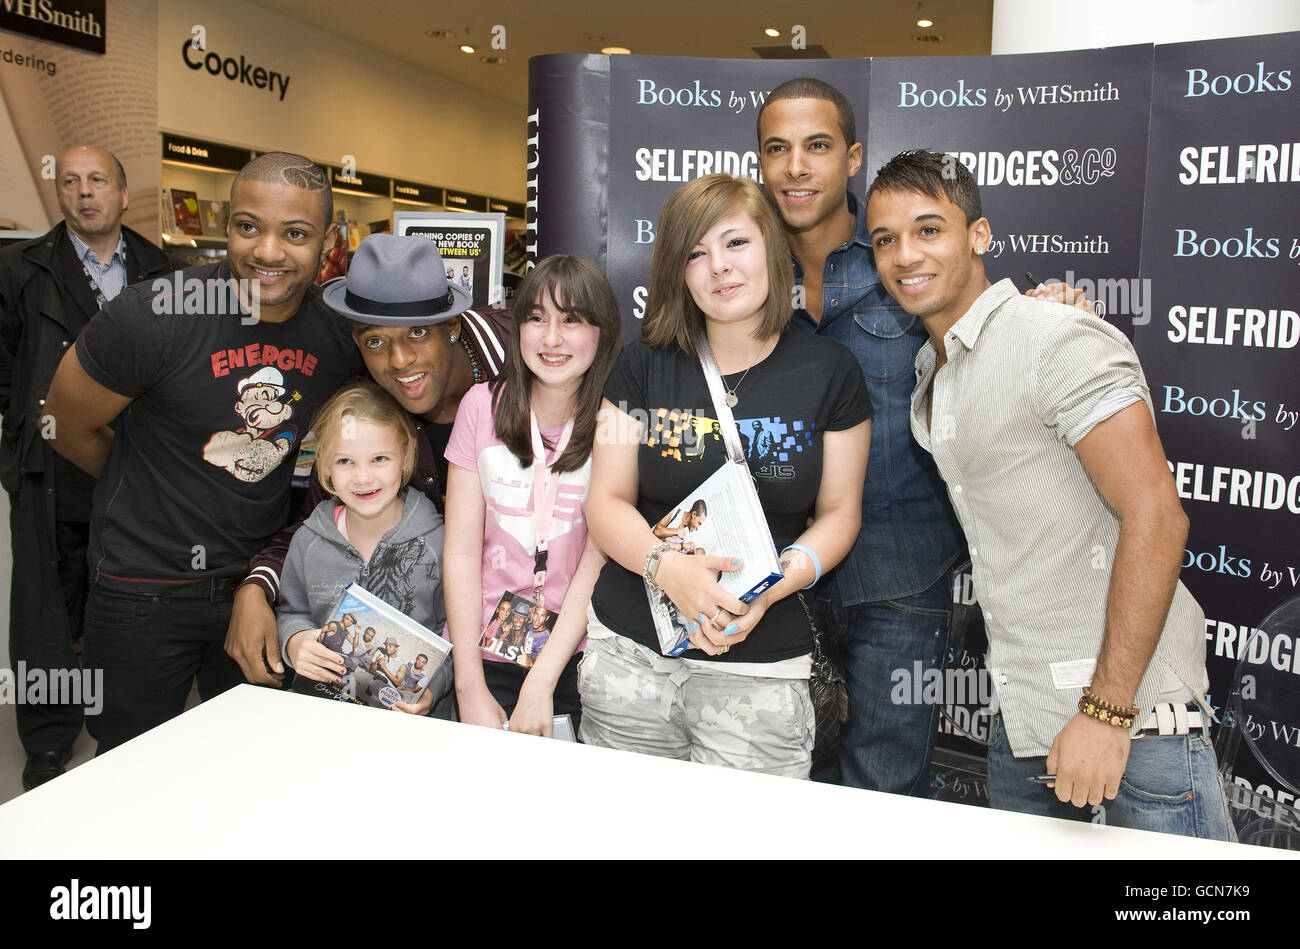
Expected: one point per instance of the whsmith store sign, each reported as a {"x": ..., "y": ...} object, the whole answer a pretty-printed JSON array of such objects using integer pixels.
[{"x": 79, "y": 23}]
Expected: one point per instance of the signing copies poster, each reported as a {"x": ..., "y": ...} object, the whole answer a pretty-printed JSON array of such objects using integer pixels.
[{"x": 472, "y": 248}]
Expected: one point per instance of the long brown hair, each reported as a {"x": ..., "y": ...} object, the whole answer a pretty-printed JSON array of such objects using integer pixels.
[
  {"x": 672, "y": 315},
  {"x": 575, "y": 286}
]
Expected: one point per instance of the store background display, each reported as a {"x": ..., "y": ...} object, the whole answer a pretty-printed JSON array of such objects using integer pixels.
[
  {"x": 613, "y": 138},
  {"x": 1221, "y": 254},
  {"x": 107, "y": 98}
]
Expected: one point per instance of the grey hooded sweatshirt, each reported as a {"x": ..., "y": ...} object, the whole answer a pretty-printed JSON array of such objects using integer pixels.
[{"x": 405, "y": 571}]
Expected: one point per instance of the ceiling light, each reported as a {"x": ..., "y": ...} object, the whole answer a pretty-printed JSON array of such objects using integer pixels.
[
  {"x": 492, "y": 60},
  {"x": 771, "y": 31},
  {"x": 441, "y": 34},
  {"x": 925, "y": 24},
  {"x": 615, "y": 50},
  {"x": 466, "y": 48}
]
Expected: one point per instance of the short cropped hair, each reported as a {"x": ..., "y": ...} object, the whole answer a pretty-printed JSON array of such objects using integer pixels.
[
  {"x": 672, "y": 315},
  {"x": 361, "y": 401},
  {"x": 285, "y": 168},
  {"x": 805, "y": 87},
  {"x": 933, "y": 174}
]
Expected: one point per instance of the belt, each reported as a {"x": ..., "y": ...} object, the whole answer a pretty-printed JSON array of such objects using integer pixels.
[
  {"x": 1168, "y": 719},
  {"x": 213, "y": 589}
]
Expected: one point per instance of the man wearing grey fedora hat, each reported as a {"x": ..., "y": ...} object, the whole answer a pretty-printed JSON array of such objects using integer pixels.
[{"x": 423, "y": 344}]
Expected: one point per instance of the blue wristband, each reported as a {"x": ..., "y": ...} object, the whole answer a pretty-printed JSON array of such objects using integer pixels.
[{"x": 817, "y": 563}]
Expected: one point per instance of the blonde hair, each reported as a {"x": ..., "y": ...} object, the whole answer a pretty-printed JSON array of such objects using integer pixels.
[
  {"x": 362, "y": 402},
  {"x": 690, "y": 212}
]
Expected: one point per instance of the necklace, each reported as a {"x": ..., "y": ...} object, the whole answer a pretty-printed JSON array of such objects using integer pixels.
[
  {"x": 731, "y": 398},
  {"x": 473, "y": 358}
]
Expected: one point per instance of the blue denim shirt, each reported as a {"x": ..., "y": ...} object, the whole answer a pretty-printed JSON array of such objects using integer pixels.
[{"x": 909, "y": 534}]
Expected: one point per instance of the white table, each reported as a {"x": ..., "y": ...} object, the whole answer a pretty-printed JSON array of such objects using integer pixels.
[{"x": 233, "y": 777}]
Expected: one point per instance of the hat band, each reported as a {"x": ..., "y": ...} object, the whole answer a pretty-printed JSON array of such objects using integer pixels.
[{"x": 379, "y": 308}]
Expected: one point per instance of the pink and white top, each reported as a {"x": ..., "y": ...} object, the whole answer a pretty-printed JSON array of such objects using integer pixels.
[{"x": 509, "y": 538}]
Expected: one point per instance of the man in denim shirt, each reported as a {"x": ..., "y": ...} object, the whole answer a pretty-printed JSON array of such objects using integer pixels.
[{"x": 888, "y": 605}]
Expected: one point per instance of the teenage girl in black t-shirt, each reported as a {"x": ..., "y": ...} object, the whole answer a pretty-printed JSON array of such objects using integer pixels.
[{"x": 720, "y": 261}]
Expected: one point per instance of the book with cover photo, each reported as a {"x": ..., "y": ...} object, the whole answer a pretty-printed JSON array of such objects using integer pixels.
[
  {"x": 722, "y": 517},
  {"x": 389, "y": 657},
  {"x": 185, "y": 213}
]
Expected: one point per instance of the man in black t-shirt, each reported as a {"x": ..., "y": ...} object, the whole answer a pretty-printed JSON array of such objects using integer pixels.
[{"x": 206, "y": 377}]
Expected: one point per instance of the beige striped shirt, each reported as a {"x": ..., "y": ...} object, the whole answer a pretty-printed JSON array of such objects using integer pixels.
[{"x": 1023, "y": 383}]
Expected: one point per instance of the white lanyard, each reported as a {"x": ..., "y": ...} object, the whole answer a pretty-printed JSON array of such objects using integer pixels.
[{"x": 546, "y": 488}]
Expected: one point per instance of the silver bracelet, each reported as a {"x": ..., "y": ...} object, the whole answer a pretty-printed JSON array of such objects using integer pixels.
[{"x": 652, "y": 561}]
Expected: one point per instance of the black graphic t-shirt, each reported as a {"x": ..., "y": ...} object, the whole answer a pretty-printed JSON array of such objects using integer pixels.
[
  {"x": 199, "y": 473},
  {"x": 808, "y": 386}
]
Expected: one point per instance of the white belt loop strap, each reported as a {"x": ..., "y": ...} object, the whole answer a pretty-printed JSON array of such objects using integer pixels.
[
  {"x": 1165, "y": 718},
  {"x": 1175, "y": 719}
]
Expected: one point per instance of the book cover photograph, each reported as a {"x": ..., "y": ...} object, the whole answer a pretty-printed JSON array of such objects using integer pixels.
[
  {"x": 185, "y": 212},
  {"x": 518, "y": 630},
  {"x": 721, "y": 517},
  {"x": 389, "y": 657}
]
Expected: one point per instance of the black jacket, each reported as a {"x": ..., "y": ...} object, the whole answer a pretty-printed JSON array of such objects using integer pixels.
[{"x": 45, "y": 297}]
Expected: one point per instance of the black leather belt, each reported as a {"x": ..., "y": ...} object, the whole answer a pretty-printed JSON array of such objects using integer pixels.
[{"x": 212, "y": 589}]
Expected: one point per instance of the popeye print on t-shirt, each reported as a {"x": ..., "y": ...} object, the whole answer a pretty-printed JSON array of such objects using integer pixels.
[{"x": 253, "y": 450}]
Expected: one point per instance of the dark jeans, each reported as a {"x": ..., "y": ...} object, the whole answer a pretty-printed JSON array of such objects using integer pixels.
[
  {"x": 151, "y": 648},
  {"x": 505, "y": 679},
  {"x": 886, "y": 747},
  {"x": 51, "y": 726},
  {"x": 1171, "y": 784}
]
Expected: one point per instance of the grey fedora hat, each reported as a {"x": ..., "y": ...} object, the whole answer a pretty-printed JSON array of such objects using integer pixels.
[{"x": 397, "y": 281}]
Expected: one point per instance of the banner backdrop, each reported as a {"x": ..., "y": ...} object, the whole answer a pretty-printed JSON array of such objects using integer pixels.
[
  {"x": 1221, "y": 258},
  {"x": 1070, "y": 150},
  {"x": 1057, "y": 143},
  {"x": 614, "y": 143},
  {"x": 53, "y": 96},
  {"x": 674, "y": 119}
]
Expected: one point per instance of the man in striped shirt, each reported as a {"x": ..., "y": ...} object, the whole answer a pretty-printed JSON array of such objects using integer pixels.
[{"x": 1039, "y": 420}]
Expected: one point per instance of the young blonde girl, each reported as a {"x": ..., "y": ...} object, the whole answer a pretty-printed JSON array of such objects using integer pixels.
[{"x": 374, "y": 531}]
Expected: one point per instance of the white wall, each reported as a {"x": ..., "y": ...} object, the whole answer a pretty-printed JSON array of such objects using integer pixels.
[
  {"x": 1040, "y": 26},
  {"x": 396, "y": 119}
]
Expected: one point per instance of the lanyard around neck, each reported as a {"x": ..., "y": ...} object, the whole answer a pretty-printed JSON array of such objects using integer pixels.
[{"x": 546, "y": 488}]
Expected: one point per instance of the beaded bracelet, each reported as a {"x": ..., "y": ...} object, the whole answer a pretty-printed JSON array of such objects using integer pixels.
[
  {"x": 817, "y": 564},
  {"x": 1103, "y": 711}
]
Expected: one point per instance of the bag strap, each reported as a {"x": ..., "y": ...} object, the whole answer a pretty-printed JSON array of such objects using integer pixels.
[{"x": 726, "y": 421}]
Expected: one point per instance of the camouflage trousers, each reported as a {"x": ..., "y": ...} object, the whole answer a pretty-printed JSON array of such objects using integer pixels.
[{"x": 634, "y": 699}]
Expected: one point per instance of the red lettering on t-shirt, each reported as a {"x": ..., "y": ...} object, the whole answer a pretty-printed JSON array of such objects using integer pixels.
[
  {"x": 236, "y": 358},
  {"x": 219, "y": 367},
  {"x": 308, "y": 365},
  {"x": 253, "y": 349},
  {"x": 285, "y": 361}
]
